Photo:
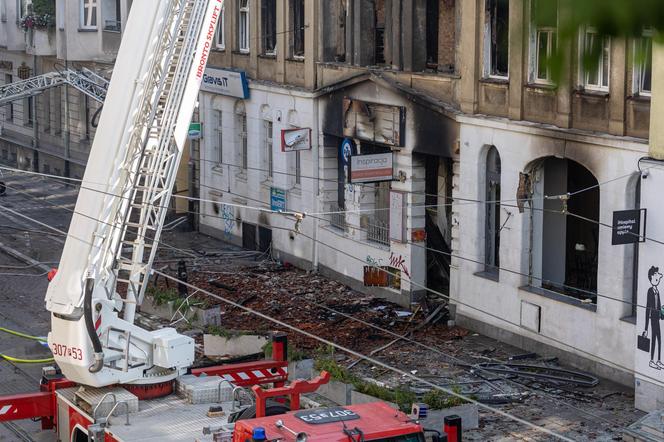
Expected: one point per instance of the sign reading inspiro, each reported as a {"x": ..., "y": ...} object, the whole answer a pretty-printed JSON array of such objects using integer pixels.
[
  {"x": 225, "y": 82},
  {"x": 371, "y": 168}
]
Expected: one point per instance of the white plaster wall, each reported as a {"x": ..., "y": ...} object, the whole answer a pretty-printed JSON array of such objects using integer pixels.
[
  {"x": 226, "y": 183},
  {"x": 12, "y": 36},
  {"x": 593, "y": 335}
]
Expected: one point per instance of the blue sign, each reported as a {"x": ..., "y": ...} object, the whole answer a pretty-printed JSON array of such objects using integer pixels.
[
  {"x": 277, "y": 199},
  {"x": 347, "y": 150}
]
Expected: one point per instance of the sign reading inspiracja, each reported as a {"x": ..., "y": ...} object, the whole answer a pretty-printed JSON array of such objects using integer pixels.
[
  {"x": 295, "y": 139},
  {"x": 371, "y": 168},
  {"x": 225, "y": 82}
]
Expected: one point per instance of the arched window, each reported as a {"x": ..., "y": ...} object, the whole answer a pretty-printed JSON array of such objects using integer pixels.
[
  {"x": 241, "y": 131},
  {"x": 492, "y": 215},
  {"x": 565, "y": 233}
]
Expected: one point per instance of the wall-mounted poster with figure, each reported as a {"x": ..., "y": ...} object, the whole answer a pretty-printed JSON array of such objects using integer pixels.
[{"x": 648, "y": 359}]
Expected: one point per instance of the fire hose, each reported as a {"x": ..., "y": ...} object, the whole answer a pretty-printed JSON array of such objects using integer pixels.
[{"x": 24, "y": 361}]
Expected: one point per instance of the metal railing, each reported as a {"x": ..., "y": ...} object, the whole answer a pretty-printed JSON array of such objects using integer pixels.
[
  {"x": 338, "y": 218},
  {"x": 378, "y": 231}
]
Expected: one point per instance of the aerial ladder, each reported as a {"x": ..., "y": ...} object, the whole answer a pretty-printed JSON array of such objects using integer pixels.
[
  {"x": 85, "y": 80},
  {"x": 115, "y": 230}
]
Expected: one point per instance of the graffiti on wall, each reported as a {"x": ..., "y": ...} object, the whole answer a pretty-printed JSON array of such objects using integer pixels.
[
  {"x": 229, "y": 219},
  {"x": 397, "y": 261}
]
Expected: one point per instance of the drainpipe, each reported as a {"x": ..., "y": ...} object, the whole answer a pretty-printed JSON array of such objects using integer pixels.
[
  {"x": 66, "y": 135},
  {"x": 35, "y": 122},
  {"x": 316, "y": 154}
]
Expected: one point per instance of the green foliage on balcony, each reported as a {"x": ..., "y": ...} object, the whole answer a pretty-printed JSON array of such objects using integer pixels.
[{"x": 40, "y": 15}]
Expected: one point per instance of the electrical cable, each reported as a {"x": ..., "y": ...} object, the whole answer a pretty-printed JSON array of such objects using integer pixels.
[
  {"x": 444, "y": 296},
  {"x": 458, "y": 302},
  {"x": 368, "y": 358}
]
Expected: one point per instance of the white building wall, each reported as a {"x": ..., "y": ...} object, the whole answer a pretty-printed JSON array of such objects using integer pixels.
[
  {"x": 226, "y": 183},
  {"x": 600, "y": 337}
]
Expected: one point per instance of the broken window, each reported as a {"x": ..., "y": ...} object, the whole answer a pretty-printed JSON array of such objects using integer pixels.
[
  {"x": 269, "y": 26},
  {"x": 447, "y": 24},
  {"x": 544, "y": 39},
  {"x": 379, "y": 32},
  {"x": 433, "y": 12},
  {"x": 492, "y": 214},
  {"x": 565, "y": 232},
  {"x": 643, "y": 64},
  {"x": 243, "y": 26},
  {"x": 595, "y": 55},
  {"x": 497, "y": 38},
  {"x": 297, "y": 20}
]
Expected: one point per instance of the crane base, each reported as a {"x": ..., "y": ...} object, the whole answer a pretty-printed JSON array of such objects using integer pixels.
[{"x": 151, "y": 391}]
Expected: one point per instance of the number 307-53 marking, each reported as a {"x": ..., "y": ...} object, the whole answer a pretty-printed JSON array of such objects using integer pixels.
[{"x": 65, "y": 351}]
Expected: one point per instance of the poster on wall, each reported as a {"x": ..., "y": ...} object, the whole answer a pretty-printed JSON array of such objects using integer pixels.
[
  {"x": 649, "y": 361},
  {"x": 277, "y": 199}
]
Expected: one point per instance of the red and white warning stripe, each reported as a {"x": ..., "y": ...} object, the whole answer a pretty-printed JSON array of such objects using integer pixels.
[
  {"x": 256, "y": 376},
  {"x": 7, "y": 409}
]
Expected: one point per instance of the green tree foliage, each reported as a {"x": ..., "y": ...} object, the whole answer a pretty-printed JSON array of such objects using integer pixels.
[{"x": 611, "y": 18}]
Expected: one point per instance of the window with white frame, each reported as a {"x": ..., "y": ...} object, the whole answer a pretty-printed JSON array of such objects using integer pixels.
[
  {"x": 241, "y": 131},
  {"x": 221, "y": 29},
  {"x": 298, "y": 168},
  {"x": 88, "y": 14},
  {"x": 243, "y": 26},
  {"x": 219, "y": 147},
  {"x": 544, "y": 39},
  {"x": 595, "y": 58},
  {"x": 643, "y": 65},
  {"x": 268, "y": 146},
  {"x": 496, "y": 38}
]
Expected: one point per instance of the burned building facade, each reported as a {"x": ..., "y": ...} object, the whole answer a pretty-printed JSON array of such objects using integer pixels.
[{"x": 423, "y": 148}]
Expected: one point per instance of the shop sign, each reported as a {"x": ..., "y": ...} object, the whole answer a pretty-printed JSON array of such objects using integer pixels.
[
  {"x": 277, "y": 199},
  {"x": 225, "y": 82},
  {"x": 295, "y": 139},
  {"x": 629, "y": 227},
  {"x": 371, "y": 168}
]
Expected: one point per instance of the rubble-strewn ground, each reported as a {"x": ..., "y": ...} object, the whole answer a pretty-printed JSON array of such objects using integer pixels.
[{"x": 291, "y": 295}]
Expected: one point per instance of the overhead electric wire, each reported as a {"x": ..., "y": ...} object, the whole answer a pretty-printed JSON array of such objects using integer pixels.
[
  {"x": 459, "y": 302},
  {"x": 449, "y": 254}
]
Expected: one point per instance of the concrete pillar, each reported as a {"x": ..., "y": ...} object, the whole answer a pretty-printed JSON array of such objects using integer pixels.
[
  {"x": 311, "y": 14},
  {"x": 282, "y": 41},
  {"x": 657, "y": 102},
  {"x": 617, "y": 83},
  {"x": 518, "y": 43},
  {"x": 364, "y": 33},
  {"x": 565, "y": 83},
  {"x": 468, "y": 55}
]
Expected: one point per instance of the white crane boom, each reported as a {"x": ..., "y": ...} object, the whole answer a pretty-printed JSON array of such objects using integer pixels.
[{"x": 122, "y": 203}]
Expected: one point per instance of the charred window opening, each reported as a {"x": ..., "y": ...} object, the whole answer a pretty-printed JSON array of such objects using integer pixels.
[
  {"x": 297, "y": 21},
  {"x": 565, "y": 232},
  {"x": 379, "y": 32},
  {"x": 447, "y": 25},
  {"x": 492, "y": 214},
  {"x": 433, "y": 13},
  {"x": 269, "y": 26},
  {"x": 497, "y": 37}
]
